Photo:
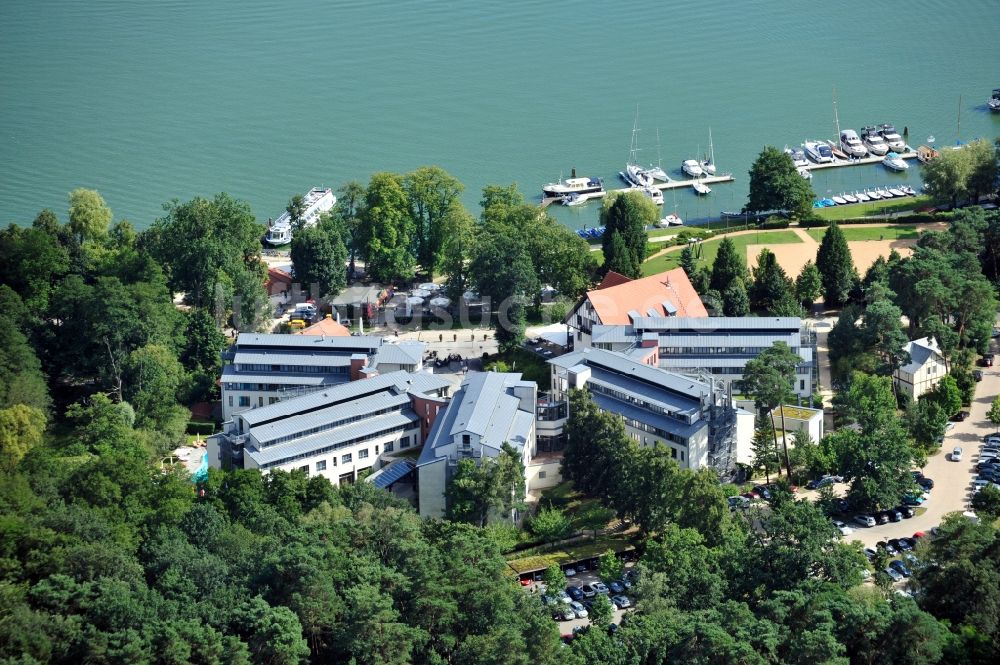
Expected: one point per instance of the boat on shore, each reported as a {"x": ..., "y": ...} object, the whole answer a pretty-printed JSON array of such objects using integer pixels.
[
  {"x": 314, "y": 203},
  {"x": 573, "y": 185}
]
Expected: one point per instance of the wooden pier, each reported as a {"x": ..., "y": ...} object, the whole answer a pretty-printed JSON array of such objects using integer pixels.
[
  {"x": 662, "y": 186},
  {"x": 856, "y": 162}
]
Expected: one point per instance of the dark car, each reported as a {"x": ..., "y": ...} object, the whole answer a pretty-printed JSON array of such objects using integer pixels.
[
  {"x": 986, "y": 360},
  {"x": 616, "y": 588},
  {"x": 960, "y": 416},
  {"x": 900, "y": 568},
  {"x": 870, "y": 553},
  {"x": 882, "y": 517},
  {"x": 763, "y": 491},
  {"x": 894, "y": 542},
  {"x": 989, "y": 463},
  {"x": 575, "y": 593},
  {"x": 895, "y": 515},
  {"x": 906, "y": 544},
  {"x": 925, "y": 483},
  {"x": 977, "y": 374},
  {"x": 888, "y": 547},
  {"x": 905, "y": 511}
]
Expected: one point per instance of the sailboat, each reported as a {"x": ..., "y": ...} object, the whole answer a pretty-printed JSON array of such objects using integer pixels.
[
  {"x": 634, "y": 174},
  {"x": 657, "y": 171},
  {"x": 708, "y": 165}
]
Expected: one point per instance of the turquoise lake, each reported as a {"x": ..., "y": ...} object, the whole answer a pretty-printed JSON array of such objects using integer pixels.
[{"x": 154, "y": 100}]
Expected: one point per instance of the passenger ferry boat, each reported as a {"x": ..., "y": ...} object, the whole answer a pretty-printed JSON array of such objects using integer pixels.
[
  {"x": 315, "y": 202},
  {"x": 572, "y": 185}
]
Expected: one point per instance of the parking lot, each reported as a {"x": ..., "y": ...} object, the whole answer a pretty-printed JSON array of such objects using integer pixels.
[{"x": 589, "y": 577}]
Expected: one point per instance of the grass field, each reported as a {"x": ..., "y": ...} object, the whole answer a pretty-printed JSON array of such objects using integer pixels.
[
  {"x": 710, "y": 248},
  {"x": 852, "y": 233},
  {"x": 874, "y": 208}
]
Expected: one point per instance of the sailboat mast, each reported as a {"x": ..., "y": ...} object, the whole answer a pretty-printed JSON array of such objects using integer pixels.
[
  {"x": 836, "y": 118},
  {"x": 659, "y": 160},
  {"x": 711, "y": 147},
  {"x": 959, "y": 119}
]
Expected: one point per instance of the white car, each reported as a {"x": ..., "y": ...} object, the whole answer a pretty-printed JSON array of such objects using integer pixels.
[
  {"x": 579, "y": 610},
  {"x": 844, "y": 529},
  {"x": 956, "y": 454}
]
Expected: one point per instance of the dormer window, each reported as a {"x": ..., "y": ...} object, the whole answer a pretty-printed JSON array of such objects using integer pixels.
[{"x": 466, "y": 439}]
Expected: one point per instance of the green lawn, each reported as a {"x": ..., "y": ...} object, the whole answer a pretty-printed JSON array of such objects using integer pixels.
[
  {"x": 852, "y": 233},
  {"x": 710, "y": 248},
  {"x": 874, "y": 208}
]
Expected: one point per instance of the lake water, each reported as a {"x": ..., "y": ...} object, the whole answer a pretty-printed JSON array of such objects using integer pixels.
[{"x": 149, "y": 101}]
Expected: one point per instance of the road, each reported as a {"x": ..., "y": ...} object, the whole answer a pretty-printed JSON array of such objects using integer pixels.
[{"x": 952, "y": 480}]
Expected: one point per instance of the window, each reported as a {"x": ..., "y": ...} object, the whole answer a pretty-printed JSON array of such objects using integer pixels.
[
  {"x": 345, "y": 459},
  {"x": 802, "y": 384},
  {"x": 304, "y": 469},
  {"x": 363, "y": 453},
  {"x": 230, "y": 400},
  {"x": 260, "y": 401},
  {"x": 541, "y": 475},
  {"x": 404, "y": 442},
  {"x": 673, "y": 453},
  {"x": 388, "y": 446},
  {"x": 321, "y": 465},
  {"x": 466, "y": 439},
  {"x": 244, "y": 400},
  {"x": 272, "y": 400},
  {"x": 376, "y": 449}
]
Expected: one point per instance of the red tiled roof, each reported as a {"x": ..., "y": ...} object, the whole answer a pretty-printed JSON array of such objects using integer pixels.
[
  {"x": 612, "y": 279},
  {"x": 327, "y": 327},
  {"x": 612, "y": 304}
]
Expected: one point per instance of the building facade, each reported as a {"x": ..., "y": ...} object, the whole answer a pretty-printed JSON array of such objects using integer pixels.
[
  {"x": 718, "y": 346},
  {"x": 691, "y": 417},
  {"x": 490, "y": 409},
  {"x": 262, "y": 369},
  {"x": 340, "y": 432},
  {"x": 924, "y": 370}
]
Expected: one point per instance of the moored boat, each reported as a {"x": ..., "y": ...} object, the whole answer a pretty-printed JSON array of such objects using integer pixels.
[
  {"x": 314, "y": 203},
  {"x": 653, "y": 194},
  {"x": 804, "y": 172},
  {"x": 572, "y": 185},
  {"x": 892, "y": 138},
  {"x": 798, "y": 156},
  {"x": 701, "y": 188},
  {"x": 851, "y": 144},
  {"x": 873, "y": 141},
  {"x": 839, "y": 200},
  {"x": 818, "y": 152},
  {"x": 894, "y": 162},
  {"x": 692, "y": 167},
  {"x": 994, "y": 101},
  {"x": 861, "y": 196},
  {"x": 850, "y": 198},
  {"x": 671, "y": 220}
]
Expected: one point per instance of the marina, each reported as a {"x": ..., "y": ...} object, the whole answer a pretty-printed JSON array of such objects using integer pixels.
[
  {"x": 662, "y": 186},
  {"x": 859, "y": 161}
]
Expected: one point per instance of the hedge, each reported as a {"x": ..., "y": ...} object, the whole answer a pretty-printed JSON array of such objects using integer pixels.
[{"x": 913, "y": 218}]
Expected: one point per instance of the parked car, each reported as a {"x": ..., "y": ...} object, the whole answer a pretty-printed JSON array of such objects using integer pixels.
[
  {"x": 548, "y": 600},
  {"x": 882, "y": 517},
  {"x": 842, "y": 505},
  {"x": 977, "y": 374},
  {"x": 737, "y": 502},
  {"x": 616, "y": 588},
  {"x": 624, "y": 581},
  {"x": 588, "y": 591},
  {"x": 900, "y": 568},
  {"x": 578, "y": 610},
  {"x": 905, "y": 511},
  {"x": 563, "y": 597},
  {"x": 621, "y": 602},
  {"x": 762, "y": 491},
  {"x": 960, "y": 416},
  {"x": 574, "y": 593},
  {"x": 843, "y": 528},
  {"x": 987, "y": 360},
  {"x": 564, "y": 614},
  {"x": 906, "y": 544},
  {"x": 870, "y": 553},
  {"x": 823, "y": 482},
  {"x": 891, "y": 572},
  {"x": 913, "y": 499},
  {"x": 601, "y": 587},
  {"x": 925, "y": 483},
  {"x": 889, "y": 548},
  {"x": 956, "y": 454},
  {"x": 895, "y": 515},
  {"x": 864, "y": 520},
  {"x": 570, "y": 571}
]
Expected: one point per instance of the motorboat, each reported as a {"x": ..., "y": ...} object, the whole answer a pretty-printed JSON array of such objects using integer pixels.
[
  {"x": 573, "y": 200},
  {"x": 314, "y": 203},
  {"x": 700, "y": 187},
  {"x": 892, "y": 138},
  {"x": 805, "y": 173},
  {"x": 887, "y": 193},
  {"x": 839, "y": 200},
  {"x": 851, "y": 144},
  {"x": 895, "y": 162},
  {"x": 874, "y": 194},
  {"x": 850, "y": 198},
  {"x": 818, "y": 152},
  {"x": 994, "y": 101},
  {"x": 671, "y": 220},
  {"x": 874, "y": 141},
  {"x": 906, "y": 189},
  {"x": 861, "y": 196},
  {"x": 653, "y": 194},
  {"x": 692, "y": 167},
  {"x": 836, "y": 151},
  {"x": 657, "y": 173},
  {"x": 828, "y": 203},
  {"x": 798, "y": 156},
  {"x": 572, "y": 185},
  {"x": 898, "y": 193}
]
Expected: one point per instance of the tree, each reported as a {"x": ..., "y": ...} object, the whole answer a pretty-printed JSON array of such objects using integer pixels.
[
  {"x": 735, "y": 301},
  {"x": 319, "y": 256},
  {"x": 296, "y": 208},
  {"x": 601, "y": 611},
  {"x": 836, "y": 266},
  {"x": 456, "y": 248},
  {"x": 550, "y": 524},
  {"x": 769, "y": 378},
  {"x": 203, "y": 342},
  {"x": 89, "y": 215},
  {"x": 883, "y": 334},
  {"x": 101, "y": 425},
  {"x": 993, "y": 415},
  {"x": 151, "y": 376},
  {"x": 21, "y": 377},
  {"x": 765, "y": 455},
  {"x": 494, "y": 486},
  {"x": 386, "y": 229},
  {"x": 776, "y": 185},
  {"x": 594, "y": 517},
  {"x": 21, "y": 429},
  {"x": 687, "y": 260},
  {"x": 771, "y": 285},
  {"x": 554, "y": 578},
  {"x": 610, "y": 567},
  {"x": 625, "y": 217},
  {"x": 728, "y": 266},
  {"x": 433, "y": 193},
  {"x": 986, "y": 502},
  {"x": 926, "y": 421},
  {"x": 808, "y": 285},
  {"x": 504, "y": 274},
  {"x": 210, "y": 250},
  {"x": 948, "y": 396}
]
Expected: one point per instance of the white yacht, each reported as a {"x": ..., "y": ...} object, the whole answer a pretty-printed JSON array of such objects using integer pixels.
[
  {"x": 671, "y": 220},
  {"x": 798, "y": 156},
  {"x": 874, "y": 141},
  {"x": 692, "y": 167},
  {"x": 572, "y": 185},
  {"x": 700, "y": 187},
  {"x": 634, "y": 174},
  {"x": 851, "y": 144},
  {"x": 892, "y": 138},
  {"x": 653, "y": 194},
  {"x": 894, "y": 162},
  {"x": 315, "y": 202},
  {"x": 818, "y": 152},
  {"x": 708, "y": 165}
]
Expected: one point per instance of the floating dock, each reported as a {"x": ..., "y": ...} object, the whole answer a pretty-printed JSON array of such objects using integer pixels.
[
  {"x": 910, "y": 154},
  {"x": 670, "y": 184}
]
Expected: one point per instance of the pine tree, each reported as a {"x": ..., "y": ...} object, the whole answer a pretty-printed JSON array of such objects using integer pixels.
[
  {"x": 771, "y": 285},
  {"x": 735, "y": 301},
  {"x": 625, "y": 218},
  {"x": 729, "y": 264},
  {"x": 808, "y": 285},
  {"x": 836, "y": 266}
]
